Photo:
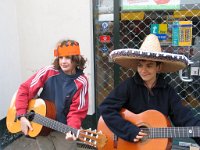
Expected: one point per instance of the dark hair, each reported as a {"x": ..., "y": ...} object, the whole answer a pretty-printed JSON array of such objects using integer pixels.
[
  {"x": 158, "y": 63},
  {"x": 79, "y": 60},
  {"x": 69, "y": 43}
]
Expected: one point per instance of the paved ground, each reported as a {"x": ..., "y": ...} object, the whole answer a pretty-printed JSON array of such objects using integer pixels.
[{"x": 24, "y": 143}]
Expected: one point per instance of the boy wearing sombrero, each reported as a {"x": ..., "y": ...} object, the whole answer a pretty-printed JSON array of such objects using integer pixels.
[{"x": 146, "y": 90}]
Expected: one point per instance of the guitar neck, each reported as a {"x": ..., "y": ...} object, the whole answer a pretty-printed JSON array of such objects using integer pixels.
[
  {"x": 172, "y": 132},
  {"x": 53, "y": 124}
]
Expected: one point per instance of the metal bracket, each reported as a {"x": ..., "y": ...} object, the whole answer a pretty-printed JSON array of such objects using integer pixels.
[{"x": 186, "y": 78}]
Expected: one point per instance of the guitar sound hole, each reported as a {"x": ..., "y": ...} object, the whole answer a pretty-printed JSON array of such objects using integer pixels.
[{"x": 30, "y": 115}]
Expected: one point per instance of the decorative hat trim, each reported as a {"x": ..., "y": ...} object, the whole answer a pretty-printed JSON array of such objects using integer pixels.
[
  {"x": 154, "y": 56},
  {"x": 149, "y": 50}
]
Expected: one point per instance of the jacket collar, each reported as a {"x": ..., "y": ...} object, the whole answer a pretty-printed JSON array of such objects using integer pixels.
[{"x": 74, "y": 76}]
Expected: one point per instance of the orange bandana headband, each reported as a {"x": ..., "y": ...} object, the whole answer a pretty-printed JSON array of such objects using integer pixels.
[{"x": 68, "y": 49}]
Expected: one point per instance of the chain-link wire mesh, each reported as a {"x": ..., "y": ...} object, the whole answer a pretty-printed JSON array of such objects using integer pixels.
[
  {"x": 132, "y": 33},
  {"x": 104, "y": 69},
  {"x": 133, "y": 30}
]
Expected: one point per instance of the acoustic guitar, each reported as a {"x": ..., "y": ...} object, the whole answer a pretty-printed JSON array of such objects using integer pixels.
[
  {"x": 152, "y": 122},
  {"x": 41, "y": 114}
]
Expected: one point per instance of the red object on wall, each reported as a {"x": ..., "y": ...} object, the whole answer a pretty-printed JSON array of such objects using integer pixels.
[
  {"x": 161, "y": 1},
  {"x": 104, "y": 38}
]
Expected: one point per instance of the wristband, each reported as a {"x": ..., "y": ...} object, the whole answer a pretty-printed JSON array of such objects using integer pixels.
[{"x": 19, "y": 116}]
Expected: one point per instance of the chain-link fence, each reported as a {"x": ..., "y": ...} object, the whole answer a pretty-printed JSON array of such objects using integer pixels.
[
  {"x": 134, "y": 26},
  {"x": 133, "y": 30},
  {"x": 132, "y": 33}
]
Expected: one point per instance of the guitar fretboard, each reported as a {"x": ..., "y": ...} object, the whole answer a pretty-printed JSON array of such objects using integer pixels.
[
  {"x": 172, "y": 132},
  {"x": 50, "y": 123}
]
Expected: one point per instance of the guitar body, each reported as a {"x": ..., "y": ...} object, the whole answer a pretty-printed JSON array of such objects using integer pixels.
[
  {"x": 41, "y": 115},
  {"x": 37, "y": 105},
  {"x": 149, "y": 119}
]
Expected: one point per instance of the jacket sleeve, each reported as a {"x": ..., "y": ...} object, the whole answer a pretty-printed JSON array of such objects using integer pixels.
[
  {"x": 29, "y": 89},
  {"x": 79, "y": 106},
  {"x": 110, "y": 108}
]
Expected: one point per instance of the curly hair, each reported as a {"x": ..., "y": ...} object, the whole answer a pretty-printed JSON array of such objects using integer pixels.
[{"x": 79, "y": 60}]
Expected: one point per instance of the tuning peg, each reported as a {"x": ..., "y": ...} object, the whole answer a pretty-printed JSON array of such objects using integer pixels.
[{"x": 100, "y": 132}]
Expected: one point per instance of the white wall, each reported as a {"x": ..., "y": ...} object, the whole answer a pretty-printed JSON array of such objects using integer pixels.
[
  {"x": 41, "y": 24},
  {"x": 9, "y": 54}
]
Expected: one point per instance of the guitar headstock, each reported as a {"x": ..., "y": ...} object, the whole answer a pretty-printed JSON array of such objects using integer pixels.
[{"x": 93, "y": 138}]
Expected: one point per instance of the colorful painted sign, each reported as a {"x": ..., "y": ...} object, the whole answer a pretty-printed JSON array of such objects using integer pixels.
[
  {"x": 150, "y": 5},
  {"x": 160, "y": 30},
  {"x": 182, "y": 33},
  {"x": 104, "y": 26},
  {"x": 104, "y": 38},
  {"x": 104, "y": 49},
  {"x": 154, "y": 28},
  {"x": 175, "y": 34}
]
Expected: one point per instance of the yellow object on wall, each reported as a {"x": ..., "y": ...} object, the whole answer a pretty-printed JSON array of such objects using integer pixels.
[
  {"x": 186, "y": 13},
  {"x": 163, "y": 28},
  {"x": 185, "y": 33},
  {"x": 132, "y": 16}
]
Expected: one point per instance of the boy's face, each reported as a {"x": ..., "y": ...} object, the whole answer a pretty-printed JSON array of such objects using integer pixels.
[
  {"x": 148, "y": 70},
  {"x": 67, "y": 66}
]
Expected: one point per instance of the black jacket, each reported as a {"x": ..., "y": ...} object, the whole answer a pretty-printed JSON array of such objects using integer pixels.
[{"x": 134, "y": 96}]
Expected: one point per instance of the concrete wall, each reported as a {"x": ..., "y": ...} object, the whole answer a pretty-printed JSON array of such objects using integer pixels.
[
  {"x": 36, "y": 26},
  {"x": 10, "y": 75}
]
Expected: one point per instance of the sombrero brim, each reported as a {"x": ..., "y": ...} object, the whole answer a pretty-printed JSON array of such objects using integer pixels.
[{"x": 128, "y": 58}]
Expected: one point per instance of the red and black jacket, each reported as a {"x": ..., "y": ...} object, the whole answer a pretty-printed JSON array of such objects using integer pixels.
[{"x": 68, "y": 92}]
